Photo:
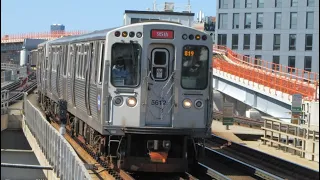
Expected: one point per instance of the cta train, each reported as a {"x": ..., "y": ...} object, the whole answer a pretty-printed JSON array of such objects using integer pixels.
[{"x": 139, "y": 95}]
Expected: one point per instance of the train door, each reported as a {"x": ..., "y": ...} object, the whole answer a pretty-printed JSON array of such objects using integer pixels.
[{"x": 160, "y": 85}]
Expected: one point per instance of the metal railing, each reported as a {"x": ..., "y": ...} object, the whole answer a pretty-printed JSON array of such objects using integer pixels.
[
  {"x": 59, "y": 153},
  {"x": 9, "y": 66},
  {"x": 304, "y": 139},
  {"x": 275, "y": 76}
]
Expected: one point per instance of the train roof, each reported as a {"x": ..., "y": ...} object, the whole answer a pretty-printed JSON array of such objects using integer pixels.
[{"x": 100, "y": 34}]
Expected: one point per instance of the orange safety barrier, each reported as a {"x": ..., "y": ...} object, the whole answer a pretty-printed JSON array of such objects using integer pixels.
[
  {"x": 41, "y": 35},
  {"x": 275, "y": 76}
]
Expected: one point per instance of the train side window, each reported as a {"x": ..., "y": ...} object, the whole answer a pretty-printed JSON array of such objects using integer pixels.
[
  {"x": 195, "y": 67},
  {"x": 125, "y": 64},
  {"x": 101, "y": 63},
  {"x": 97, "y": 61},
  {"x": 65, "y": 56},
  {"x": 85, "y": 59},
  {"x": 70, "y": 60}
]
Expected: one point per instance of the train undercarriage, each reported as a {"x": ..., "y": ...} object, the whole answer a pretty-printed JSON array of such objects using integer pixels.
[{"x": 131, "y": 152}]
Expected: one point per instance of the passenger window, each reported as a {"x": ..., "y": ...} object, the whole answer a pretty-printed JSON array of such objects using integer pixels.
[
  {"x": 101, "y": 63},
  {"x": 195, "y": 67},
  {"x": 125, "y": 64}
]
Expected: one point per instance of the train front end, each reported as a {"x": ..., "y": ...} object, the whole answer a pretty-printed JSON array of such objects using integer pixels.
[{"x": 157, "y": 95}]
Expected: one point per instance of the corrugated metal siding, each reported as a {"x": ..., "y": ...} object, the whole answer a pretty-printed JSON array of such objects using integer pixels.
[
  {"x": 93, "y": 101},
  {"x": 80, "y": 95},
  {"x": 53, "y": 83}
]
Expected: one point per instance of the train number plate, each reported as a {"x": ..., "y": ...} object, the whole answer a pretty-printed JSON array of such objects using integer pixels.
[{"x": 158, "y": 102}]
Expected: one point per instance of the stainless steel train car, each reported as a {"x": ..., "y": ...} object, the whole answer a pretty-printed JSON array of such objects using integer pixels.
[{"x": 138, "y": 94}]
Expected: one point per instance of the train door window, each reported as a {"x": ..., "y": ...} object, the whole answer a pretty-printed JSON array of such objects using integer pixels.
[
  {"x": 159, "y": 69},
  {"x": 97, "y": 60},
  {"x": 195, "y": 67},
  {"x": 101, "y": 62},
  {"x": 85, "y": 61},
  {"x": 65, "y": 56}
]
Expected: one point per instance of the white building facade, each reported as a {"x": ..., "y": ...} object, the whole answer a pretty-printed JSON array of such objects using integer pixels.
[{"x": 279, "y": 31}]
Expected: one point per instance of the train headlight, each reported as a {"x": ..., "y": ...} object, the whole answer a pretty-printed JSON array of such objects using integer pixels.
[
  {"x": 118, "y": 101},
  {"x": 187, "y": 103},
  {"x": 198, "y": 104},
  {"x": 131, "y": 101}
]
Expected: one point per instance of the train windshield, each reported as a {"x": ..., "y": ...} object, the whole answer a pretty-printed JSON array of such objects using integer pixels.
[
  {"x": 195, "y": 67},
  {"x": 125, "y": 64}
]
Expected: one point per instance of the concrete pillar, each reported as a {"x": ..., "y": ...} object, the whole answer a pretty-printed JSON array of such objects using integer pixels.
[{"x": 217, "y": 101}]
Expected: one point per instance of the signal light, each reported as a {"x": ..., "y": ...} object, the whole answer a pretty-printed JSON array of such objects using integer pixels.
[
  {"x": 131, "y": 34},
  {"x": 197, "y": 37},
  {"x": 204, "y": 37},
  {"x": 184, "y": 36},
  {"x": 191, "y": 37},
  {"x": 124, "y": 34},
  {"x": 117, "y": 33}
]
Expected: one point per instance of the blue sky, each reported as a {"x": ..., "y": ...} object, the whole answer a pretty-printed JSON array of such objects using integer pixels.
[{"x": 22, "y": 16}]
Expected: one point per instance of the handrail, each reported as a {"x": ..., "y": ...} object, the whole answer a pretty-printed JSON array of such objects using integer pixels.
[
  {"x": 38, "y": 35},
  {"x": 266, "y": 75}
]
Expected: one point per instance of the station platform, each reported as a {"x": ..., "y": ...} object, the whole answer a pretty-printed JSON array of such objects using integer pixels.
[{"x": 220, "y": 130}]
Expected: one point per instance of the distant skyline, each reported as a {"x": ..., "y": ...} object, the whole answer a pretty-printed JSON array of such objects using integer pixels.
[{"x": 24, "y": 16}]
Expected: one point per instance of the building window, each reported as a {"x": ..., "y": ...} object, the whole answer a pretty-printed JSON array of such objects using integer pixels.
[
  {"x": 246, "y": 58},
  {"x": 308, "y": 42},
  {"x": 307, "y": 63},
  {"x": 260, "y": 4},
  {"x": 277, "y": 20},
  {"x": 292, "y": 41},
  {"x": 235, "y": 41},
  {"x": 291, "y": 63},
  {"x": 309, "y": 24},
  {"x": 248, "y": 4},
  {"x": 259, "y": 20},
  {"x": 310, "y": 3},
  {"x": 236, "y": 3},
  {"x": 276, "y": 42},
  {"x": 222, "y": 39},
  {"x": 223, "y": 4},
  {"x": 278, "y": 3},
  {"x": 247, "y": 21},
  {"x": 258, "y": 41},
  {"x": 293, "y": 20},
  {"x": 246, "y": 41},
  {"x": 257, "y": 60},
  {"x": 223, "y": 21},
  {"x": 294, "y": 3},
  {"x": 276, "y": 62},
  {"x": 235, "y": 21}
]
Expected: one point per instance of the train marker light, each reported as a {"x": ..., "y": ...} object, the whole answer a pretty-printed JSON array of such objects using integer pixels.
[
  {"x": 204, "y": 37},
  {"x": 131, "y": 34},
  {"x": 197, "y": 37},
  {"x": 198, "y": 104},
  {"x": 139, "y": 34},
  {"x": 184, "y": 36},
  {"x": 117, "y": 33},
  {"x": 191, "y": 37},
  {"x": 124, "y": 34}
]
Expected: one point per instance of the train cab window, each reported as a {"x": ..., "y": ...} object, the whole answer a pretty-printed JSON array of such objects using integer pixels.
[
  {"x": 160, "y": 58},
  {"x": 195, "y": 67},
  {"x": 125, "y": 64}
]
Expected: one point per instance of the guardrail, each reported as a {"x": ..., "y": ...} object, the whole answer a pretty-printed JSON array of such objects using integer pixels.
[
  {"x": 278, "y": 132},
  {"x": 59, "y": 153},
  {"x": 275, "y": 76}
]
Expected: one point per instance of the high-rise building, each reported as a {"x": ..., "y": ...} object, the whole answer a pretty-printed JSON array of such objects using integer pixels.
[
  {"x": 57, "y": 27},
  {"x": 279, "y": 31}
]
